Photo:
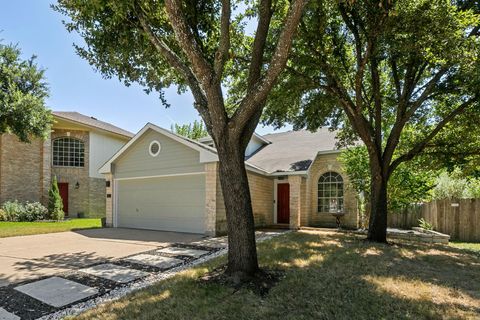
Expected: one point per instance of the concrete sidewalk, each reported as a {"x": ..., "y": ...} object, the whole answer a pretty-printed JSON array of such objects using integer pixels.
[{"x": 28, "y": 257}]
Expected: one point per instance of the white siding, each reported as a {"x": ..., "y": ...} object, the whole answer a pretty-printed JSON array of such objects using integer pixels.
[{"x": 102, "y": 148}]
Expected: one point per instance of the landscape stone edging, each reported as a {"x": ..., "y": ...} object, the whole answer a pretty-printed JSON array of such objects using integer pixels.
[{"x": 153, "y": 279}]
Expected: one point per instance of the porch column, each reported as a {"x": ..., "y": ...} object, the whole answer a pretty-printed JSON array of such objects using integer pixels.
[
  {"x": 295, "y": 201},
  {"x": 210, "y": 198}
]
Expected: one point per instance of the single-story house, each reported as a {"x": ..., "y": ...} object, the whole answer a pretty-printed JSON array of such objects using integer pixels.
[{"x": 162, "y": 181}]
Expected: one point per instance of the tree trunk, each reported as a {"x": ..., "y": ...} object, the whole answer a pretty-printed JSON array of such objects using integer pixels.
[
  {"x": 242, "y": 251},
  {"x": 377, "y": 230}
]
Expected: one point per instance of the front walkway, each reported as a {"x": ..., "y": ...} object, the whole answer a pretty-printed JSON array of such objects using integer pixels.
[{"x": 89, "y": 283}]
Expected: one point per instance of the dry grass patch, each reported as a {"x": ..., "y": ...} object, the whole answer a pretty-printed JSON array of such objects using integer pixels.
[{"x": 327, "y": 275}]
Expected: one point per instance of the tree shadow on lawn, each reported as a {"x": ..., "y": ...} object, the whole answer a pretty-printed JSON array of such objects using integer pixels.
[{"x": 327, "y": 276}]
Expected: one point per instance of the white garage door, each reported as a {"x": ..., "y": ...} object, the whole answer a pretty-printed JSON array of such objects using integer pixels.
[{"x": 167, "y": 203}]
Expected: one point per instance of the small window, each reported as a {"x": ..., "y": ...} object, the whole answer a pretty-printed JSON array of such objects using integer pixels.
[
  {"x": 68, "y": 152},
  {"x": 330, "y": 192},
  {"x": 154, "y": 148}
]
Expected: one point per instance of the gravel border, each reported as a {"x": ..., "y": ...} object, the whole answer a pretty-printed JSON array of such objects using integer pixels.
[{"x": 120, "y": 292}]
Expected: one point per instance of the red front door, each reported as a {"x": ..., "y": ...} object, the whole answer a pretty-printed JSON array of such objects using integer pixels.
[
  {"x": 63, "y": 188},
  {"x": 283, "y": 203}
]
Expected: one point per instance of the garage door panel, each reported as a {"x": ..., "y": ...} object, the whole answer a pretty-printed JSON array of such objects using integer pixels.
[{"x": 170, "y": 203}]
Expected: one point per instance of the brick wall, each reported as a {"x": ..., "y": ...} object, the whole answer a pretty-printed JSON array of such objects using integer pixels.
[
  {"x": 85, "y": 195},
  {"x": 261, "y": 192},
  {"x": 23, "y": 174},
  {"x": 321, "y": 165},
  {"x": 109, "y": 200}
]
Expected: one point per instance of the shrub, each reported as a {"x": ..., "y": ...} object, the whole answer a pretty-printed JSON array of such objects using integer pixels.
[
  {"x": 16, "y": 211},
  {"x": 13, "y": 210},
  {"x": 3, "y": 215},
  {"x": 454, "y": 185},
  {"x": 34, "y": 211},
  {"x": 55, "y": 204},
  {"x": 424, "y": 224}
]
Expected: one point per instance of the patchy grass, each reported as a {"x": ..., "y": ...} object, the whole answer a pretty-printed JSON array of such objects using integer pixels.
[
  {"x": 466, "y": 245},
  {"x": 327, "y": 276},
  {"x": 12, "y": 229}
]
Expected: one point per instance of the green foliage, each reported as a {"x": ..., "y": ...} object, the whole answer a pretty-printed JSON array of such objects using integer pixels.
[
  {"x": 55, "y": 204},
  {"x": 29, "y": 211},
  {"x": 424, "y": 224},
  {"x": 194, "y": 131},
  {"x": 22, "y": 96},
  {"x": 408, "y": 184},
  {"x": 455, "y": 185}
]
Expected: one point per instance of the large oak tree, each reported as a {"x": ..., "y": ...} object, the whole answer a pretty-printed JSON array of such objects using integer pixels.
[
  {"x": 392, "y": 73},
  {"x": 193, "y": 44}
]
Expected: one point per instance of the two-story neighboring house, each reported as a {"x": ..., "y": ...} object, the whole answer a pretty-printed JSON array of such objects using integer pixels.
[{"x": 78, "y": 146}]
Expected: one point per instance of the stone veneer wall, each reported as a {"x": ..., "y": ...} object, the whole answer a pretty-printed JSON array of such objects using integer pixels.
[
  {"x": 24, "y": 171},
  {"x": 89, "y": 198},
  {"x": 109, "y": 201},
  {"x": 261, "y": 191},
  {"x": 321, "y": 165}
]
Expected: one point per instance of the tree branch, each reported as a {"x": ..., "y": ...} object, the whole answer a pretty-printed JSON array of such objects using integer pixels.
[
  {"x": 221, "y": 56},
  {"x": 175, "y": 61},
  {"x": 255, "y": 97},
  {"x": 419, "y": 147},
  {"x": 259, "y": 42},
  {"x": 186, "y": 40}
]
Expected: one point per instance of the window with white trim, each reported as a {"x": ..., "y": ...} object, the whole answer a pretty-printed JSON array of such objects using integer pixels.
[
  {"x": 330, "y": 192},
  {"x": 68, "y": 152}
]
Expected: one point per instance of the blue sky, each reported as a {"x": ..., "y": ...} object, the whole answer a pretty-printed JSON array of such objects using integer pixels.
[{"x": 74, "y": 84}]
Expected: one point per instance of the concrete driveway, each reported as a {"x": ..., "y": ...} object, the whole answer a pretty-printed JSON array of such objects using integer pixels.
[{"x": 28, "y": 257}]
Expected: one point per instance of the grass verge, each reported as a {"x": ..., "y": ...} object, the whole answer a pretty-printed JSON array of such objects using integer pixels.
[
  {"x": 12, "y": 229},
  {"x": 327, "y": 276}
]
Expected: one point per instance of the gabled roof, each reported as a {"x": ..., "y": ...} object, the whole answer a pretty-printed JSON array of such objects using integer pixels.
[
  {"x": 208, "y": 139},
  {"x": 91, "y": 122},
  {"x": 207, "y": 154},
  {"x": 293, "y": 151}
]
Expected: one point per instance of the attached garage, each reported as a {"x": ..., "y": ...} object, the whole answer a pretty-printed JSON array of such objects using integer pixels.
[
  {"x": 171, "y": 203},
  {"x": 159, "y": 183}
]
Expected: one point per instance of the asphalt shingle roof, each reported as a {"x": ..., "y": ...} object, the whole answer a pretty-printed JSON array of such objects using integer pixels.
[
  {"x": 91, "y": 122},
  {"x": 292, "y": 150}
]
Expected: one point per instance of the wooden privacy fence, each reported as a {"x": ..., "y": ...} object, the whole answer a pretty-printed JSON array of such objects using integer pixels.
[{"x": 458, "y": 218}]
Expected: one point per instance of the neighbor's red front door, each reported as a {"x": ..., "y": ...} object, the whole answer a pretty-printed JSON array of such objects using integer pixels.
[
  {"x": 283, "y": 203},
  {"x": 63, "y": 188}
]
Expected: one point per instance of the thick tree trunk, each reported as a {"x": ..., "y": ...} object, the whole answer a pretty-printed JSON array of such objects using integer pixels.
[
  {"x": 242, "y": 251},
  {"x": 377, "y": 230}
]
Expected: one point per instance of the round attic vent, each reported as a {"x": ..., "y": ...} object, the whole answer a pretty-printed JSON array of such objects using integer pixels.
[{"x": 154, "y": 148}]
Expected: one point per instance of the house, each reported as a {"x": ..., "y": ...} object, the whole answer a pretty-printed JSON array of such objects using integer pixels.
[
  {"x": 78, "y": 146},
  {"x": 162, "y": 181}
]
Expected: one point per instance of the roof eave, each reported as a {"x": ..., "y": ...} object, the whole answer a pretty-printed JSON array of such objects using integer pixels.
[{"x": 93, "y": 127}]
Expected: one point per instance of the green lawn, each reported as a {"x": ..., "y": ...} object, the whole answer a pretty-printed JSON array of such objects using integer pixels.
[
  {"x": 466, "y": 245},
  {"x": 327, "y": 276},
  {"x": 12, "y": 229}
]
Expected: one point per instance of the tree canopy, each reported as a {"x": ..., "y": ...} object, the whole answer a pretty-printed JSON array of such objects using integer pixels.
[
  {"x": 23, "y": 91},
  {"x": 392, "y": 73},
  {"x": 194, "y": 131}
]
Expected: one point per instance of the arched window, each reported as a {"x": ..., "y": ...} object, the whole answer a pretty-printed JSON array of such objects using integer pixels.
[
  {"x": 330, "y": 192},
  {"x": 68, "y": 152}
]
